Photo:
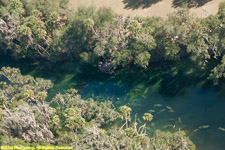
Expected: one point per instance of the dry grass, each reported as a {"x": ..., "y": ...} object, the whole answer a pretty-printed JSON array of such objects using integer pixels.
[{"x": 151, "y": 7}]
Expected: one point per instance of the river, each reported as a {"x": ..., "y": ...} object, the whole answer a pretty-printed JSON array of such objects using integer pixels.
[{"x": 178, "y": 95}]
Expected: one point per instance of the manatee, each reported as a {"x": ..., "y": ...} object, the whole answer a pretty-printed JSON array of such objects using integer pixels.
[
  {"x": 151, "y": 110},
  {"x": 222, "y": 129},
  {"x": 168, "y": 107},
  {"x": 204, "y": 127},
  {"x": 162, "y": 110},
  {"x": 195, "y": 130},
  {"x": 157, "y": 105}
]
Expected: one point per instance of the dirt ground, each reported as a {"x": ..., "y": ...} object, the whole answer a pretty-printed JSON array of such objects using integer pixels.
[{"x": 201, "y": 8}]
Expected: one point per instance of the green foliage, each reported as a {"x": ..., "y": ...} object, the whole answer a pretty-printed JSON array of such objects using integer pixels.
[
  {"x": 129, "y": 132},
  {"x": 47, "y": 29},
  {"x": 54, "y": 120},
  {"x": 79, "y": 36},
  {"x": 123, "y": 42},
  {"x": 11, "y": 141},
  {"x": 171, "y": 50},
  {"x": 147, "y": 117},
  {"x": 24, "y": 30},
  {"x": 142, "y": 59},
  {"x": 47, "y": 7},
  {"x": 100, "y": 113},
  {"x": 28, "y": 94},
  {"x": 35, "y": 25},
  {"x": 3, "y": 84},
  {"x": 31, "y": 91},
  {"x": 88, "y": 23},
  {"x": 218, "y": 72},
  {"x": 103, "y": 15},
  {"x": 41, "y": 96},
  {"x": 74, "y": 122},
  {"x": 222, "y": 10},
  {"x": 125, "y": 111},
  {"x": 73, "y": 118},
  {"x": 16, "y": 5},
  {"x": 166, "y": 140},
  {"x": 88, "y": 57},
  {"x": 122, "y": 58}
]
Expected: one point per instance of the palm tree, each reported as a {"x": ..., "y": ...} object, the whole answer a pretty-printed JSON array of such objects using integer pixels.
[
  {"x": 74, "y": 120},
  {"x": 146, "y": 117},
  {"x": 2, "y": 85},
  {"x": 125, "y": 113},
  {"x": 41, "y": 96}
]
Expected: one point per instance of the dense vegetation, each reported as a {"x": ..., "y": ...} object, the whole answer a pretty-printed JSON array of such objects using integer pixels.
[
  {"x": 104, "y": 39},
  {"x": 48, "y": 29},
  {"x": 67, "y": 120}
]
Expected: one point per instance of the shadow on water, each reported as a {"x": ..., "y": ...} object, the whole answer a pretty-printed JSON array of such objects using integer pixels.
[{"x": 168, "y": 79}]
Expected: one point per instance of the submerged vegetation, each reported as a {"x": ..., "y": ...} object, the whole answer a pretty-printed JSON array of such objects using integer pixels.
[
  {"x": 48, "y": 30},
  {"x": 28, "y": 119}
]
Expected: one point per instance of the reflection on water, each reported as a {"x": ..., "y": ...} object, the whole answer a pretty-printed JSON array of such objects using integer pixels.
[{"x": 178, "y": 97}]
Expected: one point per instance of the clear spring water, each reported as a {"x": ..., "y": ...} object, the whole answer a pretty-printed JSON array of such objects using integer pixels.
[{"x": 179, "y": 97}]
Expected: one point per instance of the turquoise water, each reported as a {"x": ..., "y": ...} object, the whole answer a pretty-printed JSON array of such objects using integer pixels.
[{"x": 178, "y": 97}]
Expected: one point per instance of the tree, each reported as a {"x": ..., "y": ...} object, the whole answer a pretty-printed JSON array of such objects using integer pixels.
[
  {"x": 27, "y": 29},
  {"x": 72, "y": 121},
  {"x": 119, "y": 42},
  {"x": 146, "y": 117},
  {"x": 22, "y": 123},
  {"x": 177, "y": 141},
  {"x": 125, "y": 113}
]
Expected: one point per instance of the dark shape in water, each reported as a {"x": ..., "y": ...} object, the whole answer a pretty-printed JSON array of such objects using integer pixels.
[{"x": 4, "y": 79}]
